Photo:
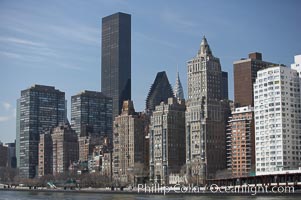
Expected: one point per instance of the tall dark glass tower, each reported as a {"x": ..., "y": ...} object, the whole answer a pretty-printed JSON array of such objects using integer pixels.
[
  {"x": 116, "y": 59},
  {"x": 41, "y": 109}
]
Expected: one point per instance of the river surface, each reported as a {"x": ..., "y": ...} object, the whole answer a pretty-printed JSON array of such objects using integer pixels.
[{"x": 20, "y": 195}]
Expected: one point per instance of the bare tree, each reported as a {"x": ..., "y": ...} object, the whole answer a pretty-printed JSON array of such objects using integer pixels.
[
  {"x": 94, "y": 180},
  {"x": 7, "y": 175},
  {"x": 45, "y": 179},
  {"x": 225, "y": 173}
]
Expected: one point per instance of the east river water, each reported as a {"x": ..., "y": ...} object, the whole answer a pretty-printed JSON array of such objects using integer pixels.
[{"x": 36, "y": 195}]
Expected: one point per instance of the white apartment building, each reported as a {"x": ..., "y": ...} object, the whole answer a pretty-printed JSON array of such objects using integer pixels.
[
  {"x": 277, "y": 120},
  {"x": 297, "y": 65}
]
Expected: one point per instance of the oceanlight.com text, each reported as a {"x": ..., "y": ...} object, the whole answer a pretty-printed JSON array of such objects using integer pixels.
[{"x": 214, "y": 189}]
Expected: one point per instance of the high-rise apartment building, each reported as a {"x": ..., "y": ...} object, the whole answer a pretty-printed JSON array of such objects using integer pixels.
[
  {"x": 240, "y": 142},
  {"x": 128, "y": 142},
  {"x": 116, "y": 59},
  {"x": 167, "y": 140},
  {"x": 245, "y": 72},
  {"x": 64, "y": 148},
  {"x": 91, "y": 112},
  {"x": 297, "y": 65},
  {"x": 160, "y": 91},
  {"x": 205, "y": 116},
  {"x": 277, "y": 120},
  {"x": 41, "y": 109}
]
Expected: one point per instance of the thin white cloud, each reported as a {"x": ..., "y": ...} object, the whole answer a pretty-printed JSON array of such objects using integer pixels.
[
  {"x": 70, "y": 66},
  {"x": 20, "y": 41},
  {"x": 181, "y": 23},
  {"x": 69, "y": 31},
  {"x": 7, "y": 106},
  {"x": 10, "y": 54},
  {"x": 9, "y": 109},
  {"x": 37, "y": 42},
  {"x": 5, "y": 118},
  {"x": 21, "y": 57},
  {"x": 79, "y": 33},
  {"x": 25, "y": 50},
  {"x": 177, "y": 20},
  {"x": 14, "y": 113},
  {"x": 153, "y": 39}
]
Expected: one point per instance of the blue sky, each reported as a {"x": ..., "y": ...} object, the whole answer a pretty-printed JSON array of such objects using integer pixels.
[{"x": 58, "y": 42}]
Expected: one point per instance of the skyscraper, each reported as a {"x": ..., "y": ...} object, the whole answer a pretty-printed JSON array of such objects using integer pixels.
[
  {"x": 91, "y": 112},
  {"x": 41, "y": 109},
  {"x": 178, "y": 90},
  {"x": 277, "y": 120},
  {"x": 167, "y": 140},
  {"x": 116, "y": 59},
  {"x": 245, "y": 72},
  {"x": 205, "y": 116},
  {"x": 160, "y": 91}
]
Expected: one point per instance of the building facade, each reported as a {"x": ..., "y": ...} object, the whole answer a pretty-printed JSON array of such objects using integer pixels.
[
  {"x": 41, "y": 109},
  {"x": 128, "y": 142},
  {"x": 205, "y": 116},
  {"x": 107, "y": 168},
  {"x": 224, "y": 85},
  {"x": 167, "y": 140},
  {"x": 297, "y": 64},
  {"x": 100, "y": 160},
  {"x": 3, "y": 155},
  {"x": 245, "y": 72},
  {"x": 87, "y": 145},
  {"x": 64, "y": 148},
  {"x": 12, "y": 159},
  {"x": 277, "y": 120},
  {"x": 116, "y": 59},
  {"x": 45, "y": 154},
  {"x": 241, "y": 142},
  {"x": 18, "y": 133},
  {"x": 91, "y": 112},
  {"x": 160, "y": 91}
]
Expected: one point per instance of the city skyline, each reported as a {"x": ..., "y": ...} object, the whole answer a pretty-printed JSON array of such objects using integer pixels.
[{"x": 63, "y": 49}]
